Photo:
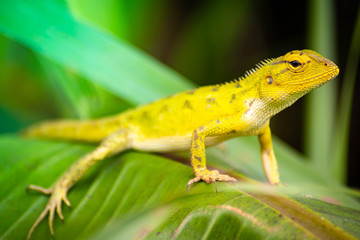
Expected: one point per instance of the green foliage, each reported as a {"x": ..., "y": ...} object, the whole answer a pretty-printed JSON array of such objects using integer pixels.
[
  {"x": 124, "y": 195},
  {"x": 79, "y": 67},
  {"x": 338, "y": 165},
  {"x": 321, "y": 103},
  {"x": 106, "y": 58},
  {"x": 327, "y": 127}
]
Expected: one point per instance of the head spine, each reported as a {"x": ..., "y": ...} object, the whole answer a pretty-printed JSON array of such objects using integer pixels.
[{"x": 255, "y": 69}]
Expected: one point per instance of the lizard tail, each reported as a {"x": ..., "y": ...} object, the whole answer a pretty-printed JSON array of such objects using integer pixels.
[{"x": 88, "y": 130}]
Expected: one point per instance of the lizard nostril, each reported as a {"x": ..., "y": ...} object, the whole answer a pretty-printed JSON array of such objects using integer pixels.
[{"x": 325, "y": 64}]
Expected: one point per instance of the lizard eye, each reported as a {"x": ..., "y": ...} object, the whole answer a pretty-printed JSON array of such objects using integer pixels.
[{"x": 295, "y": 64}]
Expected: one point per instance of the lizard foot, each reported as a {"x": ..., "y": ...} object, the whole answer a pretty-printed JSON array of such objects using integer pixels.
[
  {"x": 210, "y": 177},
  {"x": 58, "y": 195}
]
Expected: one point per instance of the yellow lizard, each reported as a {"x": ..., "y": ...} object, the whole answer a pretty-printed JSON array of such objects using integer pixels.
[{"x": 192, "y": 120}]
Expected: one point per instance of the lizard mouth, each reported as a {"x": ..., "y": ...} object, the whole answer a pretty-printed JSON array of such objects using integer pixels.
[{"x": 326, "y": 77}]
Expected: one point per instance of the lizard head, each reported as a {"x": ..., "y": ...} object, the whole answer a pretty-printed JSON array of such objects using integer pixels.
[{"x": 289, "y": 77}]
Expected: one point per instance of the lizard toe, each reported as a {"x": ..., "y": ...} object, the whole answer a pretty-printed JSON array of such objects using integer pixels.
[{"x": 58, "y": 195}]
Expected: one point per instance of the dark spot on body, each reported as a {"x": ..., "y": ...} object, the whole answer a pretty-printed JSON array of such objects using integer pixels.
[
  {"x": 201, "y": 128},
  {"x": 187, "y": 104},
  {"x": 238, "y": 85},
  {"x": 145, "y": 114},
  {"x": 279, "y": 62},
  {"x": 215, "y": 89},
  {"x": 164, "y": 108},
  {"x": 301, "y": 53},
  {"x": 246, "y": 111},
  {"x": 233, "y": 97},
  {"x": 198, "y": 158},
  {"x": 283, "y": 71},
  {"x": 196, "y": 135},
  {"x": 210, "y": 100},
  {"x": 232, "y": 132},
  {"x": 251, "y": 103},
  {"x": 309, "y": 61},
  {"x": 191, "y": 91},
  {"x": 218, "y": 121}
]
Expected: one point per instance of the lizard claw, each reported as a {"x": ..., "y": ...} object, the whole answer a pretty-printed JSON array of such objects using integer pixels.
[
  {"x": 210, "y": 177},
  {"x": 58, "y": 195},
  {"x": 215, "y": 186}
]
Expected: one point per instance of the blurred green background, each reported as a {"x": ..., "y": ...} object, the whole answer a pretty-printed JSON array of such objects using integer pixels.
[{"x": 207, "y": 42}]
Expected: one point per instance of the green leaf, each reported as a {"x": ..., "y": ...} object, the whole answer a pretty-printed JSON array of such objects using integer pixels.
[
  {"x": 112, "y": 15},
  {"x": 70, "y": 91},
  {"x": 321, "y": 103},
  {"x": 205, "y": 45},
  {"x": 109, "y": 62},
  {"x": 122, "y": 194},
  {"x": 338, "y": 165},
  {"x": 242, "y": 155}
]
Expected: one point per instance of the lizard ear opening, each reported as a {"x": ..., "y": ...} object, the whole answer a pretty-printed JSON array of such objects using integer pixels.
[{"x": 269, "y": 79}]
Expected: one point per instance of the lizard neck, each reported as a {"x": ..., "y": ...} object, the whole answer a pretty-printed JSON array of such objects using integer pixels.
[
  {"x": 274, "y": 106},
  {"x": 259, "y": 107}
]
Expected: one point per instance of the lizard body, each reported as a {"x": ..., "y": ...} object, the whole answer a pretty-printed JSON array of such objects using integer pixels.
[{"x": 193, "y": 120}]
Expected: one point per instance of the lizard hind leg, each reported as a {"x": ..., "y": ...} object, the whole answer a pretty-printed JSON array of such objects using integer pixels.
[
  {"x": 57, "y": 197},
  {"x": 115, "y": 143}
]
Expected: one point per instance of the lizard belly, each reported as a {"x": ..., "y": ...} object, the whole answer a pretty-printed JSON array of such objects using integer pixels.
[
  {"x": 176, "y": 143},
  {"x": 183, "y": 142},
  {"x": 163, "y": 144}
]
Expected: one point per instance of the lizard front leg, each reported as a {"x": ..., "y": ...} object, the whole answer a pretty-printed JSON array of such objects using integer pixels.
[
  {"x": 198, "y": 156},
  {"x": 113, "y": 144},
  {"x": 268, "y": 157}
]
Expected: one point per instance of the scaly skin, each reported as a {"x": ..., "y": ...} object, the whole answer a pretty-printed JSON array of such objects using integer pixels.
[{"x": 193, "y": 120}]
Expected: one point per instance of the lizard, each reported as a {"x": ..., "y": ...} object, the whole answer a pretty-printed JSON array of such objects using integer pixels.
[{"x": 192, "y": 120}]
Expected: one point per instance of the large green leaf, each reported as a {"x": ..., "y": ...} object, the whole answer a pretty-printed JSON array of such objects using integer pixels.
[
  {"x": 109, "y": 62},
  {"x": 122, "y": 192},
  {"x": 321, "y": 103},
  {"x": 242, "y": 155},
  {"x": 340, "y": 152}
]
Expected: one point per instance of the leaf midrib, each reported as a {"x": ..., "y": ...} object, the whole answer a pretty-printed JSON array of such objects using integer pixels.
[{"x": 304, "y": 217}]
